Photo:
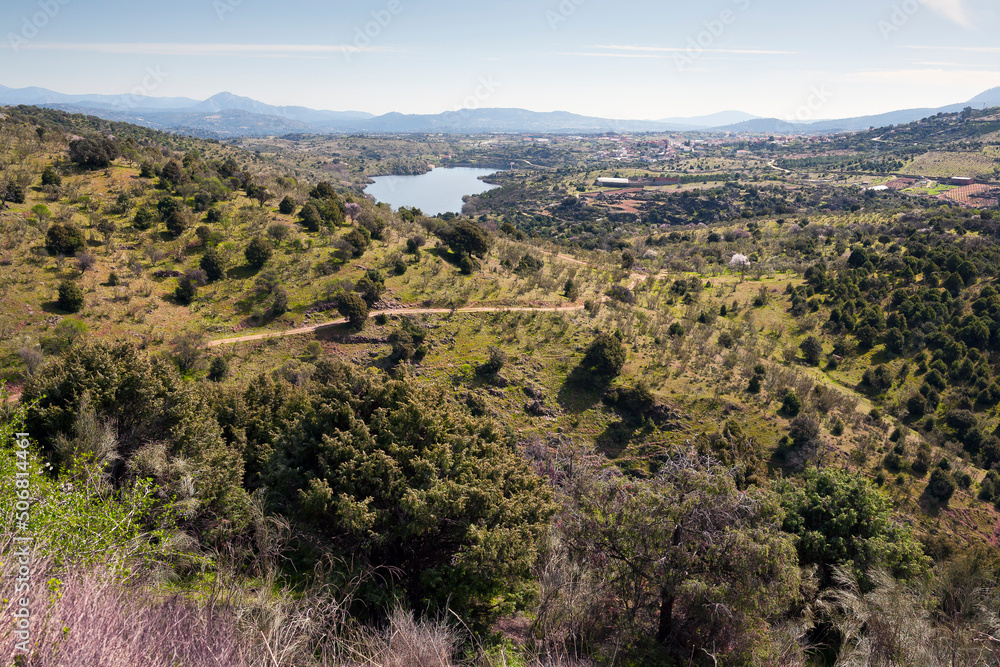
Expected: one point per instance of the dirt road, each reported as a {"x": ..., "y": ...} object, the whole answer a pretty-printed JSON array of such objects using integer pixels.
[{"x": 398, "y": 311}]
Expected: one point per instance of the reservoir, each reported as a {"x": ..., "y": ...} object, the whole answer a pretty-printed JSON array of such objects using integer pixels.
[{"x": 436, "y": 192}]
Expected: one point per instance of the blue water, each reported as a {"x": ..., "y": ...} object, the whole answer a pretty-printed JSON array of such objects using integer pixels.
[{"x": 438, "y": 191}]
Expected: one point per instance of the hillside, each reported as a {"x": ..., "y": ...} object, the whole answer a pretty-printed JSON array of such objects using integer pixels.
[{"x": 559, "y": 429}]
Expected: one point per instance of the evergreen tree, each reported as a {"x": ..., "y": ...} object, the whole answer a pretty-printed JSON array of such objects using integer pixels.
[
  {"x": 211, "y": 263},
  {"x": 70, "y": 296},
  {"x": 257, "y": 252},
  {"x": 354, "y": 308},
  {"x": 605, "y": 356}
]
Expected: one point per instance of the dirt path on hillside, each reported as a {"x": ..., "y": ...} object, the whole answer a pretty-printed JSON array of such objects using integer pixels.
[
  {"x": 566, "y": 258},
  {"x": 398, "y": 311},
  {"x": 774, "y": 166},
  {"x": 635, "y": 279},
  {"x": 13, "y": 395}
]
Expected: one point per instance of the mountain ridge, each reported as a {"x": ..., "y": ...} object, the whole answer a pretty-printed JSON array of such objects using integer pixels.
[{"x": 227, "y": 115}]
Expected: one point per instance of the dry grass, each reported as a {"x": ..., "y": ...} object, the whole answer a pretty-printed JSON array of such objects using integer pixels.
[
  {"x": 93, "y": 618},
  {"x": 100, "y": 616}
]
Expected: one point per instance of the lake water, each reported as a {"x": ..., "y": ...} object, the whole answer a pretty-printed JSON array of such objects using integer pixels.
[{"x": 438, "y": 191}]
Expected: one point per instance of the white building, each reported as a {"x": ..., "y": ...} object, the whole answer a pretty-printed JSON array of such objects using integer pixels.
[{"x": 612, "y": 182}]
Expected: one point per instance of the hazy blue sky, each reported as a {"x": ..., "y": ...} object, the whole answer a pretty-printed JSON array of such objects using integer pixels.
[{"x": 636, "y": 59}]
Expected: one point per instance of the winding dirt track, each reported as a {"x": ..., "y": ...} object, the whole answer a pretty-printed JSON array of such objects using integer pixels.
[
  {"x": 635, "y": 279},
  {"x": 398, "y": 311}
]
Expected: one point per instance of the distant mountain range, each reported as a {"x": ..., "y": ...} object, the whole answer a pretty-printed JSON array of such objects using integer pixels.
[
  {"x": 226, "y": 115},
  {"x": 990, "y": 98}
]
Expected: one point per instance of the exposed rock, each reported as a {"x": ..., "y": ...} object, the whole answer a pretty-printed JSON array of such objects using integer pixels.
[
  {"x": 534, "y": 392},
  {"x": 167, "y": 273},
  {"x": 322, "y": 307},
  {"x": 537, "y": 409}
]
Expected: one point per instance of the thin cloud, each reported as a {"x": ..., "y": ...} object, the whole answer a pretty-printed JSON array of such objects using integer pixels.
[
  {"x": 951, "y": 9},
  {"x": 579, "y": 54},
  {"x": 928, "y": 77},
  {"x": 936, "y": 63},
  {"x": 961, "y": 49},
  {"x": 675, "y": 49},
  {"x": 178, "y": 49}
]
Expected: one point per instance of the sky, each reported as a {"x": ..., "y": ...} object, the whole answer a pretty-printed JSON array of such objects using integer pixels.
[{"x": 640, "y": 59}]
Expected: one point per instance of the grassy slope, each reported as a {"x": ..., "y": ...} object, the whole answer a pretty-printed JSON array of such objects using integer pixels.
[{"x": 701, "y": 380}]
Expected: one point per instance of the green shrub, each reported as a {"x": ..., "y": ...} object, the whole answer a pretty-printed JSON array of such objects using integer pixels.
[
  {"x": 87, "y": 525},
  {"x": 97, "y": 152},
  {"x": 218, "y": 369},
  {"x": 211, "y": 263},
  {"x": 67, "y": 333},
  {"x": 257, "y": 252},
  {"x": 839, "y": 518},
  {"x": 941, "y": 485},
  {"x": 620, "y": 293},
  {"x": 354, "y": 308},
  {"x": 605, "y": 356},
  {"x": 791, "y": 404},
  {"x": 812, "y": 350},
  {"x": 495, "y": 361},
  {"x": 279, "y": 303},
  {"x": 371, "y": 291},
  {"x": 154, "y": 423},
  {"x": 413, "y": 484},
  {"x": 570, "y": 290},
  {"x": 70, "y": 296},
  {"x": 144, "y": 218},
  {"x": 922, "y": 463},
  {"x": 528, "y": 264},
  {"x": 467, "y": 238},
  {"x": 916, "y": 405},
  {"x": 878, "y": 378},
  {"x": 177, "y": 222},
  {"x": 370, "y": 222},
  {"x": 65, "y": 239},
  {"x": 403, "y": 346},
  {"x": 51, "y": 177},
  {"x": 358, "y": 240},
  {"x": 14, "y": 193},
  {"x": 185, "y": 291},
  {"x": 467, "y": 264}
]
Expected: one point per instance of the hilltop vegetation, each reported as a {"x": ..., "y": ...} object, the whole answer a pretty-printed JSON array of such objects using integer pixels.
[{"x": 752, "y": 420}]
